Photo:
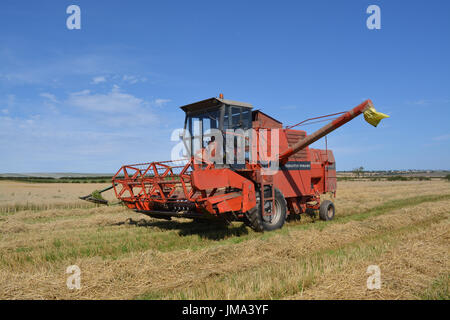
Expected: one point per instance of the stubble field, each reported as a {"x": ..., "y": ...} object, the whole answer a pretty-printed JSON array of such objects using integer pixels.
[{"x": 402, "y": 227}]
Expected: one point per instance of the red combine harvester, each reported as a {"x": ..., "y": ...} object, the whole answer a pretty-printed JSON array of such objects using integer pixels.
[{"x": 199, "y": 188}]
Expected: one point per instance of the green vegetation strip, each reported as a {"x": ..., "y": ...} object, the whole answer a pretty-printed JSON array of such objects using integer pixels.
[
  {"x": 391, "y": 178},
  {"x": 438, "y": 290},
  {"x": 6, "y": 210}
]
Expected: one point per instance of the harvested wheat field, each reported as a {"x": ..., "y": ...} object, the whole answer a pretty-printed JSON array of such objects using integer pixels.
[{"x": 402, "y": 227}]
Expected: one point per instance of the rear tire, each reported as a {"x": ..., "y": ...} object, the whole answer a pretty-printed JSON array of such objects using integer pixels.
[
  {"x": 327, "y": 210},
  {"x": 268, "y": 223}
]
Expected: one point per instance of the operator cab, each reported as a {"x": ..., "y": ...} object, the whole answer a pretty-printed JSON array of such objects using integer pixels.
[{"x": 214, "y": 113}]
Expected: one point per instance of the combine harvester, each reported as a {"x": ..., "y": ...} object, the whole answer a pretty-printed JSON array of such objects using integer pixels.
[{"x": 199, "y": 187}]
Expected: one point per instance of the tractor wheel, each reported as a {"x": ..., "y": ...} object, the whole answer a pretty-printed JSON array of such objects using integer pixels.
[
  {"x": 253, "y": 218},
  {"x": 278, "y": 217},
  {"x": 261, "y": 223},
  {"x": 326, "y": 211}
]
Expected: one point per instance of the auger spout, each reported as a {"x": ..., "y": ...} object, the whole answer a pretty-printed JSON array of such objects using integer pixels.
[{"x": 333, "y": 125}]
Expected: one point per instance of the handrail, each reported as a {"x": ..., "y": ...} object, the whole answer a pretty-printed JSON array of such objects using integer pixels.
[{"x": 326, "y": 116}]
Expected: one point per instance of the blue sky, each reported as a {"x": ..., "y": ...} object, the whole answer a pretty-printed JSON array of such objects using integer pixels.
[{"x": 93, "y": 99}]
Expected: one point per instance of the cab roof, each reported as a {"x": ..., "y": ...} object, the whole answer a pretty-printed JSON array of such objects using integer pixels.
[{"x": 213, "y": 102}]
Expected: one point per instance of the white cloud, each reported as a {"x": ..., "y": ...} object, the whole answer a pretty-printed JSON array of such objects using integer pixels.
[
  {"x": 18, "y": 123},
  {"x": 421, "y": 102},
  {"x": 8, "y": 103},
  {"x": 57, "y": 68},
  {"x": 427, "y": 102},
  {"x": 49, "y": 96},
  {"x": 442, "y": 138},
  {"x": 161, "y": 102},
  {"x": 83, "y": 144},
  {"x": 18, "y": 77},
  {"x": 113, "y": 102},
  {"x": 32, "y": 73},
  {"x": 99, "y": 79},
  {"x": 81, "y": 93},
  {"x": 11, "y": 101},
  {"x": 50, "y": 101},
  {"x": 131, "y": 79}
]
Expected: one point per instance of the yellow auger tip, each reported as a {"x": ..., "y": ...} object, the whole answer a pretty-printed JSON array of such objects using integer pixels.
[{"x": 372, "y": 116}]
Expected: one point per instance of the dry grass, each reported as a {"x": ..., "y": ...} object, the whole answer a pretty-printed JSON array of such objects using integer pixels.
[
  {"x": 18, "y": 196},
  {"x": 408, "y": 266},
  {"x": 408, "y": 239},
  {"x": 353, "y": 196}
]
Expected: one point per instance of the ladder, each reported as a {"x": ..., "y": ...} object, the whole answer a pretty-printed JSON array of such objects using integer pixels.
[{"x": 267, "y": 181}]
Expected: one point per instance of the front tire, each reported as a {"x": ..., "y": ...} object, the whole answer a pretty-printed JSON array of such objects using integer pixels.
[{"x": 276, "y": 220}]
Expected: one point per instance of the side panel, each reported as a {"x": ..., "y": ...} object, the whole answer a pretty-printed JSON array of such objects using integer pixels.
[
  {"x": 294, "y": 178},
  {"x": 293, "y": 183},
  {"x": 209, "y": 179},
  {"x": 331, "y": 179},
  {"x": 323, "y": 170}
]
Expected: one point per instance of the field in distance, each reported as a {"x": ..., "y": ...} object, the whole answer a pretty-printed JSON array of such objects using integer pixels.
[{"x": 401, "y": 226}]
